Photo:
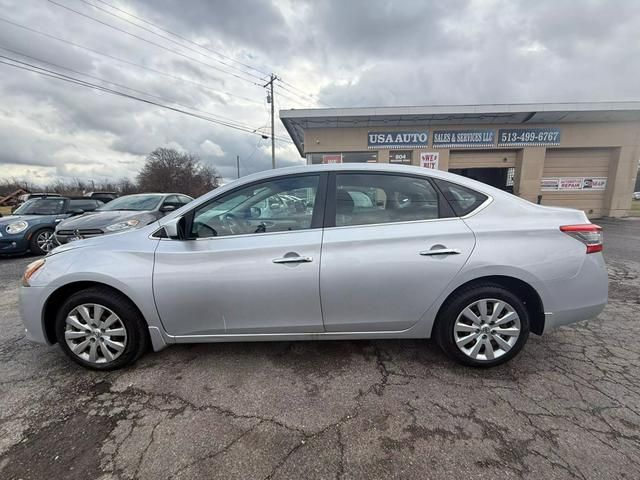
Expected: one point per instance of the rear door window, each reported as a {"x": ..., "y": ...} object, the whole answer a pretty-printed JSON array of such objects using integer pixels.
[{"x": 365, "y": 199}]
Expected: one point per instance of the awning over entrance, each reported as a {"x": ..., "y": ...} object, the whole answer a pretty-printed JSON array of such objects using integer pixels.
[{"x": 297, "y": 121}]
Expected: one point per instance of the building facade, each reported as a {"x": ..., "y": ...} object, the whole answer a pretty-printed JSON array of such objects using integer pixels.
[{"x": 581, "y": 155}]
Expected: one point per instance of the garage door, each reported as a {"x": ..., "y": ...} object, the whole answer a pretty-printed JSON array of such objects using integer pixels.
[
  {"x": 578, "y": 162},
  {"x": 482, "y": 159}
]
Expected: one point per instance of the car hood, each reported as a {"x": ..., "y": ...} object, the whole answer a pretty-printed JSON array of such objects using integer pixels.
[
  {"x": 104, "y": 219},
  {"x": 106, "y": 242},
  {"x": 26, "y": 218}
]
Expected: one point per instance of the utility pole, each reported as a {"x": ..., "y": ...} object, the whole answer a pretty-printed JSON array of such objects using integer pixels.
[
  {"x": 238, "y": 164},
  {"x": 271, "y": 100}
]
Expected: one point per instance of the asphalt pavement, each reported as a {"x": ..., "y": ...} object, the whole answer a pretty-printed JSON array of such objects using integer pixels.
[{"x": 567, "y": 407}]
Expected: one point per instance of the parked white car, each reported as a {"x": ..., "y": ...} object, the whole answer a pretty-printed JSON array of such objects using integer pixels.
[{"x": 378, "y": 251}]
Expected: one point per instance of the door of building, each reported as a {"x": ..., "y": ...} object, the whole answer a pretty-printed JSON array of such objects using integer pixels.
[{"x": 501, "y": 178}]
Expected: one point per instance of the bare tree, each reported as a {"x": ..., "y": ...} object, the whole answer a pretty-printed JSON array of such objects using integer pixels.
[{"x": 167, "y": 170}]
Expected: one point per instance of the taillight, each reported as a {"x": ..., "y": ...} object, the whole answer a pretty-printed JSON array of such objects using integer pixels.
[{"x": 589, "y": 234}]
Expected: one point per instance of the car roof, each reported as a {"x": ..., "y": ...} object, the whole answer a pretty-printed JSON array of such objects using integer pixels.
[{"x": 364, "y": 167}]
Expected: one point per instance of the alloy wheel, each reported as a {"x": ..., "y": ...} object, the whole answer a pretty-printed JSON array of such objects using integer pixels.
[
  {"x": 46, "y": 241},
  {"x": 487, "y": 329},
  {"x": 95, "y": 333}
]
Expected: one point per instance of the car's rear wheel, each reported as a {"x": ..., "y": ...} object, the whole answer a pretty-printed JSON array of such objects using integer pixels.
[
  {"x": 483, "y": 326},
  {"x": 101, "y": 329},
  {"x": 42, "y": 241}
]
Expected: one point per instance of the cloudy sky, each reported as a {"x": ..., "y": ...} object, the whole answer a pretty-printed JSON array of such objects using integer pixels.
[{"x": 342, "y": 53}]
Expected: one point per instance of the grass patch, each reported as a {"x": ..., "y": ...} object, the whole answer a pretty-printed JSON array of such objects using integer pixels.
[
  {"x": 5, "y": 211},
  {"x": 635, "y": 208}
]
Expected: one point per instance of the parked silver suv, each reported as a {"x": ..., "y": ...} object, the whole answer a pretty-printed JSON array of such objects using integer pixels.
[{"x": 376, "y": 251}]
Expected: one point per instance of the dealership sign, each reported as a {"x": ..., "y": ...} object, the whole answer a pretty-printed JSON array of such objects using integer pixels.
[
  {"x": 463, "y": 138},
  {"x": 520, "y": 137},
  {"x": 398, "y": 139},
  {"x": 567, "y": 184}
]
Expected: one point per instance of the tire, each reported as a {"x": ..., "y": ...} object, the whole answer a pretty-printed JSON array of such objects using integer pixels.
[
  {"x": 105, "y": 339},
  {"x": 455, "y": 322},
  {"x": 35, "y": 245}
]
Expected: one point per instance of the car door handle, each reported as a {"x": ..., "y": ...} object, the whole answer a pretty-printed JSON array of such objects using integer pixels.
[
  {"x": 293, "y": 259},
  {"x": 441, "y": 251}
]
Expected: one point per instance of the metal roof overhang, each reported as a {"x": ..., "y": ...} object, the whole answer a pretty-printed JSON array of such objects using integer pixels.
[{"x": 297, "y": 121}]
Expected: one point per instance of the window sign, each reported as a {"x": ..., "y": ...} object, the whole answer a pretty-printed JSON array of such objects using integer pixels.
[
  {"x": 398, "y": 139},
  {"x": 332, "y": 158},
  {"x": 594, "y": 183},
  {"x": 400, "y": 156},
  {"x": 550, "y": 184},
  {"x": 518, "y": 137},
  {"x": 429, "y": 159},
  {"x": 564, "y": 184},
  {"x": 570, "y": 183},
  {"x": 463, "y": 138}
]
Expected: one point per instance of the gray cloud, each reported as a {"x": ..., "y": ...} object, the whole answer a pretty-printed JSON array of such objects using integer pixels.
[{"x": 349, "y": 53}]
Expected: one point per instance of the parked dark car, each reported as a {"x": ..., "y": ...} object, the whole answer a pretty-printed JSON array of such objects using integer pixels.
[
  {"x": 32, "y": 225},
  {"x": 28, "y": 196},
  {"x": 123, "y": 213}
]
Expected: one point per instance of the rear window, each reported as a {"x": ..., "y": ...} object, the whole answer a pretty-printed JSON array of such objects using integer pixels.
[
  {"x": 463, "y": 200},
  {"x": 86, "y": 205}
]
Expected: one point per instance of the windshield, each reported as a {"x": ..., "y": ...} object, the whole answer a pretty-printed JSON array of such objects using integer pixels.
[
  {"x": 41, "y": 206},
  {"x": 133, "y": 202}
]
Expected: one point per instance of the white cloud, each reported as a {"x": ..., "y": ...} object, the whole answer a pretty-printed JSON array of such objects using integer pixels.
[{"x": 210, "y": 148}]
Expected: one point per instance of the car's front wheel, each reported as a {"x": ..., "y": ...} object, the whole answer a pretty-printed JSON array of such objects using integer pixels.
[
  {"x": 483, "y": 326},
  {"x": 42, "y": 241},
  {"x": 101, "y": 329}
]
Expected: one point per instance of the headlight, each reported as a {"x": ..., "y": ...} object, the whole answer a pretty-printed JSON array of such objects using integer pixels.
[
  {"x": 17, "y": 227},
  {"x": 116, "y": 227},
  {"x": 32, "y": 268}
]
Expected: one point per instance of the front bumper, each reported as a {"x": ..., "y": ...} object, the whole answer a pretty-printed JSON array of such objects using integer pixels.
[
  {"x": 32, "y": 302},
  {"x": 13, "y": 244}
]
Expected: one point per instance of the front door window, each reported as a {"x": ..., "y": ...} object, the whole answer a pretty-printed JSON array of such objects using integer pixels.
[{"x": 279, "y": 205}]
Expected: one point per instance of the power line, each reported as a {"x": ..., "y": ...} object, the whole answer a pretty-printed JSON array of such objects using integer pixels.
[
  {"x": 127, "y": 62},
  {"x": 151, "y": 42},
  {"x": 292, "y": 89},
  {"x": 66, "y": 78},
  {"x": 262, "y": 72},
  {"x": 294, "y": 100},
  {"x": 167, "y": 38},
  {"x": 108, "y": 82},
  {"x": 303, "y": 96}
]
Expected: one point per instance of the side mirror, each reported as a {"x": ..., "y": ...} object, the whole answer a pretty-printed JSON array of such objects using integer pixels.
[
  {"x": 77, "y": 211},
  {"x": 167, "y": 208},
  {"x": 172, "y": 228}
]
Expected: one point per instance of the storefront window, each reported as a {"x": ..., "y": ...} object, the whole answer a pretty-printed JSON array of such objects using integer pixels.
[
  {"x": 400, "y": 156},
  {"x": 345, "y": 157}
]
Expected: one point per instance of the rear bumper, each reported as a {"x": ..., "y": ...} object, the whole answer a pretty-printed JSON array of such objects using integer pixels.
[
  {"x": 581, "y": 297},
  {"x": 32, "y": 301}
]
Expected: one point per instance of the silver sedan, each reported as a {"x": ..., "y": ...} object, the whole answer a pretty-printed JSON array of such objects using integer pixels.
[{"x": 356, "y": 251}]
